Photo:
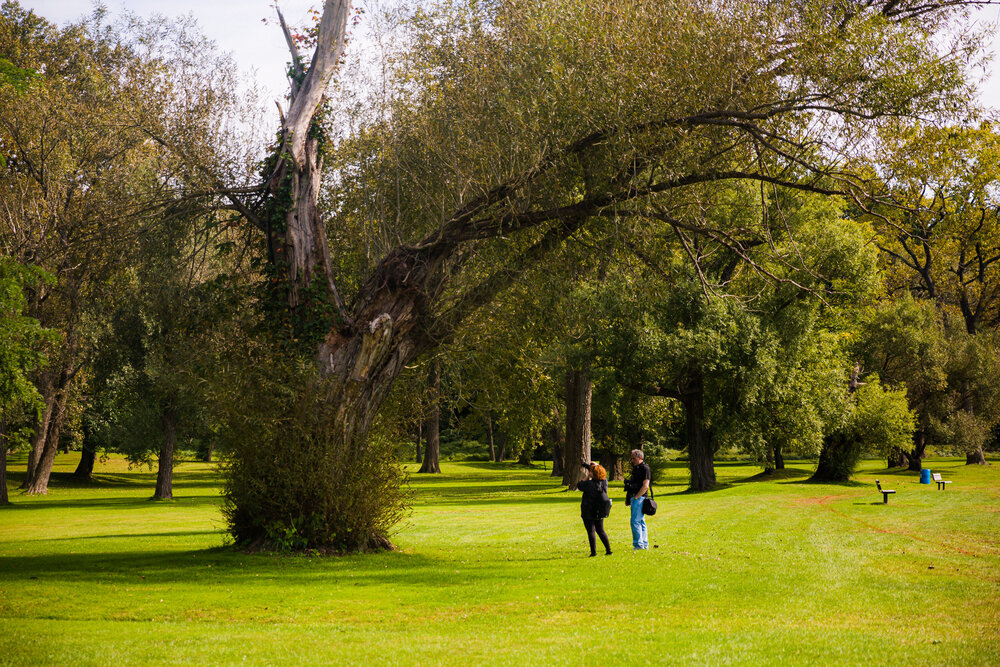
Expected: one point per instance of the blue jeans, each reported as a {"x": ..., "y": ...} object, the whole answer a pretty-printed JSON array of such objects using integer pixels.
[{"x": 638, "y": 523}]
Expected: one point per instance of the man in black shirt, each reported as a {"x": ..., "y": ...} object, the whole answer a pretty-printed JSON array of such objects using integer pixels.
[{"x": 635, "y": 490}]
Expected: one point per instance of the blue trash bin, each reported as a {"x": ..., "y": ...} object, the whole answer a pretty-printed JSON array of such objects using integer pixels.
[{"x": 925, "y": 476}]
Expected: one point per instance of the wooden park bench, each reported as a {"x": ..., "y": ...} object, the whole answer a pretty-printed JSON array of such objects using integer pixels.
[
  {"x": 885, "y": 492},
  {"x": 940, "y": 482}
]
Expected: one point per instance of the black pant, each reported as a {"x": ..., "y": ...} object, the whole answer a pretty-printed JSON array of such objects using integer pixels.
[{"x": 596, "y": 526}]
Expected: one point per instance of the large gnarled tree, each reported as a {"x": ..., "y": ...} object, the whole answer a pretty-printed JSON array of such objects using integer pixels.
[{"x": 512, "y": 125}]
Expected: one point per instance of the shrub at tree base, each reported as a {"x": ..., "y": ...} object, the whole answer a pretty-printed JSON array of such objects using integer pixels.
[{"x": 293, "y": 485}]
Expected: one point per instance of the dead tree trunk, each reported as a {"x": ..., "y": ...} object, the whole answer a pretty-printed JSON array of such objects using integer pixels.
[
  {"x": 165, "y": 463},
  {"x": 299, "y": 248},
  {"x": 432, "y": 455},
  {"x": 579, "y": 390}
]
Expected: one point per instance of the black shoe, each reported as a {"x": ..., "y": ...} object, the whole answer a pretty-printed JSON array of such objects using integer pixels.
[
  {"x": 607, "y": 553},
  {"x": 592, "y": 555}
]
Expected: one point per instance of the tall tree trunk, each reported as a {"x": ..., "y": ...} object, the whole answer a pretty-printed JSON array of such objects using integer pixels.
[
  {"x": 975, "y": 457},
  {"x": 88, "y": 455},
  {"x": 701, "y": 456},
  {"x": 489, "y": 437},
  {"x": 301, "y": 249},
  {"x": 779, "y": 458},
  {"x": 837, "y": 458},
  {"x": 432, "y": 454},
  {"x": 579, "y": 391},
  {"x": 769, "y": 464},
  {"x": 897, "y": 459},
  {"x": 38, "y": 483},
  {"x": 524, "y": 457},
  {"x": 391, "y": 320},
  {"x": 558, "y": 445},
  {"x": 4, "y": 500},
  {"x": 614, "y": 465},
  {"x": 916, "y": 456},
  {"x": 48, "y": 392},
  {"x": 420, "y": 442},
  {"x": 165, "y": 464}
]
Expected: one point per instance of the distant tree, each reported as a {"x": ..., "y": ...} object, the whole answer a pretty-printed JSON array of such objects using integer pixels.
[
  {"x": 432, "y": 422},
  {"x": 740, "y": 339},
  {"x": 940, "y": 235},
  {"x": 77, "y": 193},
  {"x": 904, "y": 342},
  {"x": 874, "y": 419},
  {"x": 622, "y": 420},
  {"x": 22, "y": 345}
]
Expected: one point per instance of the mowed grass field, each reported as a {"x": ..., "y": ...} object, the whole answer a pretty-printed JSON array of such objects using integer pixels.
[{"x": 492, "y": 568}]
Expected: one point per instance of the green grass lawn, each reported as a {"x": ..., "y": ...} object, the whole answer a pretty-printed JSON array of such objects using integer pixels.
[{"x": 492, "y": 567}]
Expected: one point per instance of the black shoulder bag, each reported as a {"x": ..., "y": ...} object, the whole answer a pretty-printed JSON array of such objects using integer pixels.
[{"x": 648, "y": 504}]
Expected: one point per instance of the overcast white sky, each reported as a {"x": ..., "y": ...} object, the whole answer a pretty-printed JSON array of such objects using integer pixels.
[{"x": 236, "y": 25}]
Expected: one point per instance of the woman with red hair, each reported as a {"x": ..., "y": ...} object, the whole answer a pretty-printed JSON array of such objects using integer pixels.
[{"x": 594, "y": 505}]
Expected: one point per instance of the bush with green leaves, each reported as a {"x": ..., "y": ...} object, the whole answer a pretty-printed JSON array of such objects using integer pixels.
[
  {"x": 875, "y": 419},
  {"x": 292, "y": 484}
]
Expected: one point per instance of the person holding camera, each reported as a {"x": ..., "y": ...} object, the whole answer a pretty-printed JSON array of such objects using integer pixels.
[
  {"x": 635, "y": 493},
  {"x": 595, "y": 505}
]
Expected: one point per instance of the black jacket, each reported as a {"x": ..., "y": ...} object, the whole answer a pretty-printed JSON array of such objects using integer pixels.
[{"x": 590, "y": 504}]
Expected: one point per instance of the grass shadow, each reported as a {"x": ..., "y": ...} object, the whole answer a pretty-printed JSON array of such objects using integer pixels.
[
  {"x": 774, "y": 475},
  {"x": 132, "y": 536},
  {"x": 230, "y": 565},
  {"x": 137, "y": 503},
  {"x": 815, "y": 482},
  {"x": 893, "y": 472},
  {"x": 506, "y": 466},
  {"x": 119, "y": 480},
  {"x": 721, "y": 486}
]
